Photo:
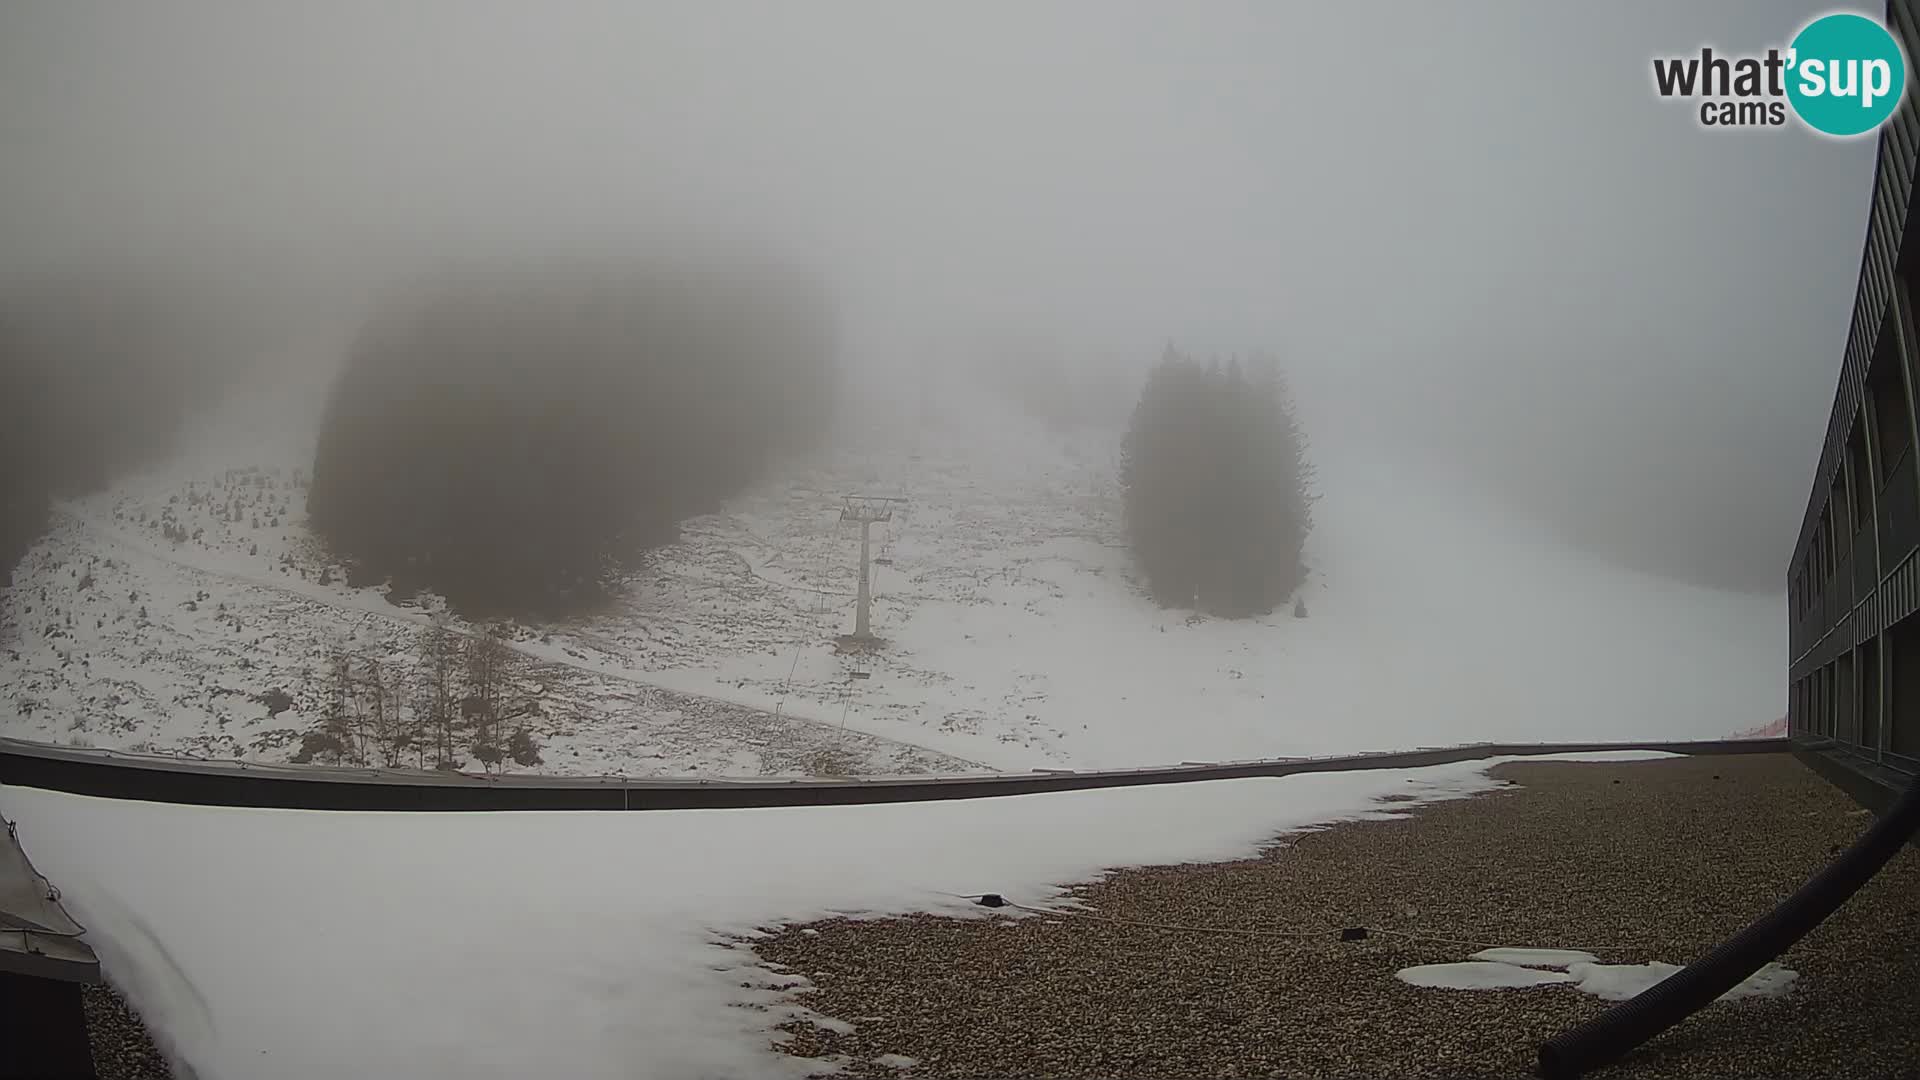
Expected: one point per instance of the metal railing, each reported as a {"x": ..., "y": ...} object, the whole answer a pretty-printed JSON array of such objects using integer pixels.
[{"x": 118, "y": 774}]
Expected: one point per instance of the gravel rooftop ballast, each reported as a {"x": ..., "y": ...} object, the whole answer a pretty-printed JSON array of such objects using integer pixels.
[{"x": 1652, "y": 861}]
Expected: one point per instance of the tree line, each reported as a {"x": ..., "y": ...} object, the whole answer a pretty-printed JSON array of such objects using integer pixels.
[
  {"x": 97, "y": 373},
  {"x": 1216, "y": 486},
  {"x": 515, "y": 440},
  {"x": 458, "y": 695}
]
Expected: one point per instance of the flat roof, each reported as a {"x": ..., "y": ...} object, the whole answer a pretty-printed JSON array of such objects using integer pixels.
[{"x": 1237, "y": 968}]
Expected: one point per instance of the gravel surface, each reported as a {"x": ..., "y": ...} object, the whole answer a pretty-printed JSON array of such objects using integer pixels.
[
  {"x": 1656, "y": 860},
  {"x": 122, "y": 1049}
]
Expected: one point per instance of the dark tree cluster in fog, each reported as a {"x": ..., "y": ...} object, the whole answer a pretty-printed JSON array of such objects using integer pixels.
[
  {"x": 512, "y": 439},
  {"x": 96, "y": 375},
  {"x": 23, "y": 479},
  {"x": 1217, "y": 486}
]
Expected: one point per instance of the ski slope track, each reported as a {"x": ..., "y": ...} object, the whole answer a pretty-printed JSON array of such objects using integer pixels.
[
  {"x": 364, "y": 604},
  {"x": 158, "y": 616}
]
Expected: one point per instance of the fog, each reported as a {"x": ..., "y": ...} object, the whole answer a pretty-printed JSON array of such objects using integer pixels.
[{"x": 1472, "y": 235}]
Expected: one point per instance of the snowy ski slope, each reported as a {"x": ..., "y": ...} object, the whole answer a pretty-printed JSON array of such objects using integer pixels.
[{"x": 1017, "y": 638}]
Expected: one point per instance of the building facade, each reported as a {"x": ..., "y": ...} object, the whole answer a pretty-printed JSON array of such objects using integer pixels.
[{"x": 1853, "y": 586}]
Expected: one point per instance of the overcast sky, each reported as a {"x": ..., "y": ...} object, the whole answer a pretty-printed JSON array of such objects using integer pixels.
[{"x": 1471, "y": 230}]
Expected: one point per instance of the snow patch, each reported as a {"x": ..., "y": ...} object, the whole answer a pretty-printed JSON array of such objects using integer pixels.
[
  {"x": 1492, "y": 969},
  {"x": 1477, "y": 976},
  {"x": 1543, "y": 958},
  {"x": 1618, "y": 982}
]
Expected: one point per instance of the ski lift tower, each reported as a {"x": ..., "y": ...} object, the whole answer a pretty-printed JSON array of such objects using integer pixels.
[{"x": 866, "y": 509}]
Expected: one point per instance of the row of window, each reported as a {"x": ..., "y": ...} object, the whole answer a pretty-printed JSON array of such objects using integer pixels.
[
  {"x": 1871, "y": 517},
  {"x": 1868, "y": 698}
]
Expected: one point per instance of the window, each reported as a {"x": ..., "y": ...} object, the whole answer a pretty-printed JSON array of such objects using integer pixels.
[
  {"x": 1822, "y": 566},
  {"x": 1846, "y": 725},
  {"x": 1857, "y": 467},
  {"x": 1870, "y": 695},
  {"x": 1903, "y": 699},
  {"x": 1829, "y": 687},
  {"x": 1842, "y": 510},
  {"x": 1888, "y": 394},
  {"x": 1828, "y": 547}
]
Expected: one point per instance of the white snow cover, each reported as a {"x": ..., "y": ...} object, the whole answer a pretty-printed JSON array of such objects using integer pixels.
[
  {"x": 1493, "y": 969},
  {"x": 1618, "y": 982},
  {"x": 285, "y": 945},
  {"x": 1018, "y": 637},
  {"x": 1478, "y": 976},
  {"x": 1543, "y": 958}
]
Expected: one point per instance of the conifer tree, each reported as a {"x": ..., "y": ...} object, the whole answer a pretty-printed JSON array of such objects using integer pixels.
[{"x": 1217, "y": 486}]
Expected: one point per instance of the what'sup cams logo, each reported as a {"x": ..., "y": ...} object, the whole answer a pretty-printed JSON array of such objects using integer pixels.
[{"x": 1842, "y": 75}]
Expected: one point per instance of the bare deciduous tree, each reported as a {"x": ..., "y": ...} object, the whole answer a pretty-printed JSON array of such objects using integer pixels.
[
  {"x": 437, "y": 693},
  {"x": 496, "y": 695}
]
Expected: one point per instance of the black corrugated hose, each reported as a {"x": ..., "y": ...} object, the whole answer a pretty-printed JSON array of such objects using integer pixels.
[{"x": 1616, "y": 1032}]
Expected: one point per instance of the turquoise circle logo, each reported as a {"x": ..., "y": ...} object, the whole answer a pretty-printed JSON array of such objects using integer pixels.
[{"x": 1846, "y": 74}]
